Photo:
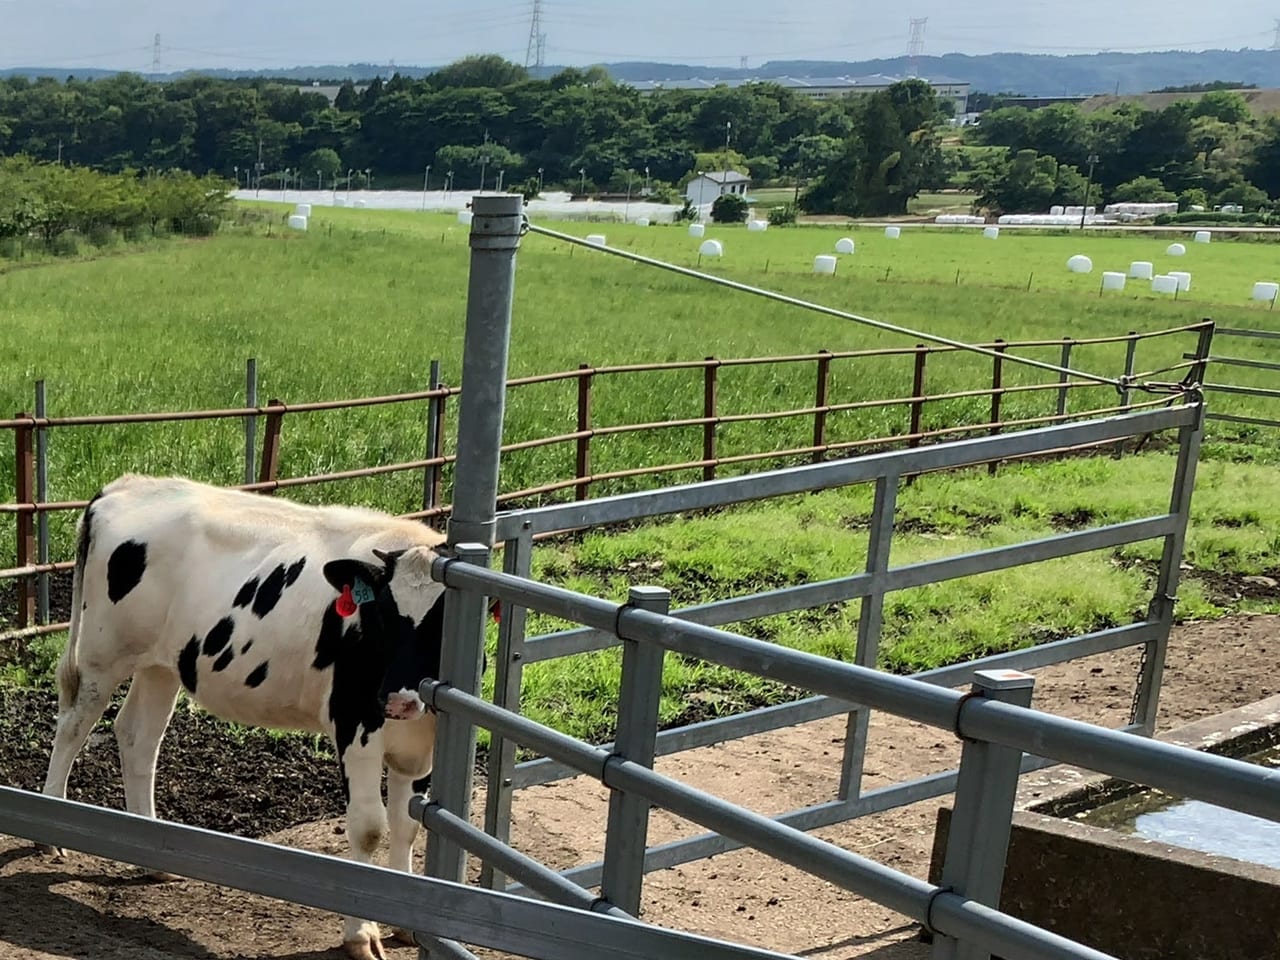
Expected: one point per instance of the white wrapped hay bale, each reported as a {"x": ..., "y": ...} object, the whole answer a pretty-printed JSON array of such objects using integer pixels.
[
  {"x": 1142, "y": 270},
  {"x": 824, "y": 263},
  {"x": 991, "y": 233},
  {"x": 757, "y": 226},
  {"x": 1113, "y": 280},
  {"x": 1164, "y": 284},
  {"x": 1057, "y": 210},
  {"x": 360, "y": 203},
  {"x": 302, "y": 209},
  {"x": 845, "y": 245},
  {"x": 642, "y": 221},
  {"x": 1203, "y": 236},
  {"x": 1177, "y": 250},
  {"x": 893, "y": 233},
  {"x": 1080, "y": 264},
  {"x": 297, "y": 222},
  {"x": 1183, "y": 278},
  {"x": 597, "y": 239},
  {"x": 711, "y": 248},
  {"x": 464, "y": 217},
  {"x": 339, "y": 201},
  {"x": 696, "y": 230},
  {"x": 1266, "y": 291}
]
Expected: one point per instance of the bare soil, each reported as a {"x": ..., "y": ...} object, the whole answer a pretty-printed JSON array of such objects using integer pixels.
[{"x": 96, "y": 910}]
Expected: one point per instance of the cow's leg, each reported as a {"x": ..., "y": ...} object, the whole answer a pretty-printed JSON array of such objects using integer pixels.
[
  {"x": 402, "y": 832},
  {"x": 80, "y": 712},
  {"x": 139, "y": 730},
  {"x": 366, "y": 824}
]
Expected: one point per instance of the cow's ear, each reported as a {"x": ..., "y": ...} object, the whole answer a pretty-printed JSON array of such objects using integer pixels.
[{"x": 361, "y": 576}]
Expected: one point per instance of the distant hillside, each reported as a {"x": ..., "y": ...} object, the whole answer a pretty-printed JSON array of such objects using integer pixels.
[
  {"x": 1035, "y": 75},
  {"x": 1261, "y": 102}
]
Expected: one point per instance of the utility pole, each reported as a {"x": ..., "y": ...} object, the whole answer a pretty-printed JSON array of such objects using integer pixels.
[
  {"x": 915, "y": 46},
  {"x": 1088, "y": 186}
]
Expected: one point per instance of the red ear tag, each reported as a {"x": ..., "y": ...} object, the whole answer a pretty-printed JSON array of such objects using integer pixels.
[
  {"x": 497, "y": 611},
  {"x": 345, "y": 605}
]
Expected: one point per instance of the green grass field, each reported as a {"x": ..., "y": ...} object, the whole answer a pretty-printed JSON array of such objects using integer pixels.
[{"x": 363, "y": 302}]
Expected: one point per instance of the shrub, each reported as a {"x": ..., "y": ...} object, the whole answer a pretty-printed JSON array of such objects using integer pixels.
[
  {"x": 782, "y": 215},
  {"x": 729, "y": 208}
]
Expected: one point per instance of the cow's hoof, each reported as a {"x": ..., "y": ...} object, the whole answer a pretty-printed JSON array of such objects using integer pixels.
[
  {"x": 159, "y": 876},
  {"x": 406, "y": 937},
  {"x": 364, "y": 949}
]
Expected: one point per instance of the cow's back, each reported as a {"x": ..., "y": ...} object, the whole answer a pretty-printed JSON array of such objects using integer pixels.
[{"x": 226, "y": 588}]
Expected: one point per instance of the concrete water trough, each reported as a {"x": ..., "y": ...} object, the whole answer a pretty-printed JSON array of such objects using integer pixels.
[{"x": 1139, "y": 874}]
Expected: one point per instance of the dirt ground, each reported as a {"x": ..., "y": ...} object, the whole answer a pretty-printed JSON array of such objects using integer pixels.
[{"x": 91, "y": 909}]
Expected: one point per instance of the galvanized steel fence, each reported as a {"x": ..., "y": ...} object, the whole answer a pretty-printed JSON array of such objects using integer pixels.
[{"x": 1000, "y": 734}]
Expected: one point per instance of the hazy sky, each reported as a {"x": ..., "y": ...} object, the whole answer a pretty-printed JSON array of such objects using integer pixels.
[{"x": 274, "y": 33}]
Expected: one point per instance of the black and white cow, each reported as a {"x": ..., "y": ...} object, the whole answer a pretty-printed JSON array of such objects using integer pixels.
[{"x": 268, "y": 613}]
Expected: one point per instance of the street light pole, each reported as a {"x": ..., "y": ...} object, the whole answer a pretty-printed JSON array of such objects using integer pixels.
[
  {"x": 425, "y": 178},
  {"x": 540, "y": 181},
  {"x": 626, "y": 207},
  {"x": 582, "y": 188},
  {"x": 1088, "y": 186}
]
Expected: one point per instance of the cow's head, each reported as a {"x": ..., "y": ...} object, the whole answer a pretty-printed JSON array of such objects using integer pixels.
[{"x": 401, "y": 611}]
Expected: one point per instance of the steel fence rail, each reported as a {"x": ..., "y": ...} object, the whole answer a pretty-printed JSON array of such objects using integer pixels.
[
  {"x": 1196, "y": 775},
  {"x": 500, "y": 921},
  {"x": 910, "y": 896}
]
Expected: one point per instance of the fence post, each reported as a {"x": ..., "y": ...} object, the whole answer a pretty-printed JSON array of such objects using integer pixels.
[
  {"x": 997, "y": 392},
  {"x": 1131, "y": 348},
  {"x": 622, "y": 877},
  {"x": 981, "y": 818},
  {"x": 1064, "y": 362},
  {"x": 710, "y": 390},
  {"x": 582, "y": 462},
  {"x": 496, "y": 227},
  {"x": 269, "y": 469},
  {"x": 431, "y": 475},
  {"x": 251, "y": 421},
  {"x": 1204, "y": 346},
  {"x": 917, "y": 400},
  {"x": 24, "y": 490},
  {"x": 42, "y": 496},
  {"x": 870, "y": 621},
  {"x": 1146, "y": 700},
  {"x": 820, "y": 401},
  {"x": 517, "y": 555}
]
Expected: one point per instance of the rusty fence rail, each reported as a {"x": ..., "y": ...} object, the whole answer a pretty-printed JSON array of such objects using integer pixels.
[{"x": 31, "y": 504}]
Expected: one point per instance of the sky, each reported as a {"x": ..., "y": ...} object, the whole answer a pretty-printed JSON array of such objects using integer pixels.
[{"x": 120, "y": 34}]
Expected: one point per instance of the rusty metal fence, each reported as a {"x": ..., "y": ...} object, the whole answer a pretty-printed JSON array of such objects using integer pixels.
[{"x": 264, "y": 432}]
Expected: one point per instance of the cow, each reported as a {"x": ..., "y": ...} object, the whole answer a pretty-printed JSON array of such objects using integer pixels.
[{"x": 267, "y": 613}]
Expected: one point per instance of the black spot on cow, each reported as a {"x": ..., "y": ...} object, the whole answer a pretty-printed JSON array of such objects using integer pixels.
[
  {"x": 125, "y": 568},
  {"x": 85, "y": 540},
  {"x": 187, "y": 664},
  {"x": 353, "y": 699},
  {"x": 422, "y": 784},
  {"x": 294, "y": 572},
  {"x": 224, "y": 661},
  {"x": 247, "y": 644},
  {"x": 219, "y": 636},
  {"x": 258, "y": 675},
  {"x": 269, "y": 593},
  {"x": 245, "y": 596}
]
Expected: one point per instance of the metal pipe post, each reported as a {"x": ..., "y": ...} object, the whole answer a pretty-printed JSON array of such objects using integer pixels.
[
  {"x": 628, "y": 827},
  {"x": 42, "y": 496},
  {"x": 870, "y": 621},
  {"x": 1146, "y": 700},
  {"x": 978, "y": 839},
  {"x": 497, "y": 224},
  {"x": 250, "y": 422},
  {"x": 517, "y": 556},
  {"x": 434, "y": 407}
]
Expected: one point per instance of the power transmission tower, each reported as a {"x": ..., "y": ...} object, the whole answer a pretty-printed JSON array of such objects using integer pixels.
[
  {"x": 535, "y": 50},
  {"x": 742, "y": 63},
  {"x": 155, "y": 57},
  {"x": 915, "y": 46}
]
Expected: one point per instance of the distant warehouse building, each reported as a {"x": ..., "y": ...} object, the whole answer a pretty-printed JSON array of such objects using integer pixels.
[{"x": 818, "y": 88}]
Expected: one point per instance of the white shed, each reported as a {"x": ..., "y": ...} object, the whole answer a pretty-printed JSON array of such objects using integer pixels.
[{"x": 705, "y": 187}]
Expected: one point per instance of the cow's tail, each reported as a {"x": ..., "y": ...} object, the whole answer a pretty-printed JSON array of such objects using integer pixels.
[{"x": 68, "y": 668}]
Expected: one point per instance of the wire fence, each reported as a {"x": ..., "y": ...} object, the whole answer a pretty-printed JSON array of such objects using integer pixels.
[{"x": 827, "y": 418}]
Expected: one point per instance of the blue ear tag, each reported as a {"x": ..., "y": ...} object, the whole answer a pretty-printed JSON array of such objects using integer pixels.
[{"x": 361, "y": 592}]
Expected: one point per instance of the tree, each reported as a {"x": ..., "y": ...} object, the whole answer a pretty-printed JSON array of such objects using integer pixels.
[
  {"x": 324, "y": 161},
  {"x": 1143, "y": 190},
  {"x": 729, "y": 208},
  {"x": 488, "y": 70},
  {"x": 1027, "y": 182}
]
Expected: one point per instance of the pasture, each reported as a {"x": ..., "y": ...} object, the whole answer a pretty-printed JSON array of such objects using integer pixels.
[{"x": 362, "y": 302}]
